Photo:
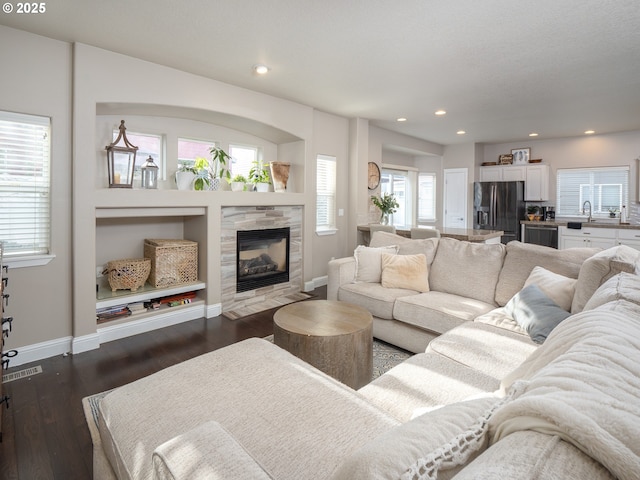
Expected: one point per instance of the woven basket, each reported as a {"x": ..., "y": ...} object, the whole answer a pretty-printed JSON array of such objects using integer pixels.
[
  {"x": 127, "y": 274},
  {"x": 173, "y": 261}
]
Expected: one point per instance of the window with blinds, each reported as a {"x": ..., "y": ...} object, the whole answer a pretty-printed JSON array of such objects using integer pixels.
[
  {"x": 25, "y": 184},
  {"x": 606, "y": 188},
  {"x": 325, "y": 193},
  {"x": 426, "y": 197},
  {"x": 242, "y": 159}
]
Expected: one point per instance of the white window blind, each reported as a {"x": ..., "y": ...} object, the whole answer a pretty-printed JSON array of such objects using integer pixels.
[
  {"x": 25, "y": 184},
  {"x": 607, "y": 188},
  {"x": 241, "y": 159},
  {"x": 325, "y": 193},
  {"x": 426, "y": 197}
]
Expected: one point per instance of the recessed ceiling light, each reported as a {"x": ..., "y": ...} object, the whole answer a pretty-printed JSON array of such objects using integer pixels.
[
  {"x": 461, "y": 132},
  {"x": 533, "y": 134},
  {"x": 261, "y": 69},
  {"x": 440, "y": 112},
  {"x": 589, "y": 132},
  {"x": 401, "y": 119}
]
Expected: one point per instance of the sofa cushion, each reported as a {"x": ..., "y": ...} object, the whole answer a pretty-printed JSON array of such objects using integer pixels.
[
  {"x": 521, "y": 258},
  {"x": 624, "y": 286},
  {"x": 405, "y": 271},
  {"x": 601, "y": 267},
  {"x": 369, "y": 262},
  {"x": 205, "y": 452},
  {"x": 374, "y": 297},
  {"x": 492, "y": 351},
  {"x": 407, "y": 246},
  {"x": 499, "y": 318},
  {"x": 558, "y": 288},
  {"x": 438, "y": 311},
  {"x": 467, "y": 269},
  {"x": 535, "y": 312},
  {"x": 425, "y": 381},
  {"x": 392, "y": 453},
  {"x": 530, "y": 455}
]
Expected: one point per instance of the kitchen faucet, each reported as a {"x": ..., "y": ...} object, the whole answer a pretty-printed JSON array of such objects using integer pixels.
[{"x": 589, "y": 219}]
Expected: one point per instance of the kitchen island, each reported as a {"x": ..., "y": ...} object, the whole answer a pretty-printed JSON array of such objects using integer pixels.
[{"x": 467, "y": 234}]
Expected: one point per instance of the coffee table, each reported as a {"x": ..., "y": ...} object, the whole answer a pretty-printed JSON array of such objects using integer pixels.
[{"x": 335, "y": 337}]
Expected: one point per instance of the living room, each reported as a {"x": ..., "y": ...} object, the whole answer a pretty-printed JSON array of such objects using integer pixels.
[{"x": 86, "y": 89}]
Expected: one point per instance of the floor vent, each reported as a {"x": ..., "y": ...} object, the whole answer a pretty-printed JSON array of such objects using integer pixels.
[{"x": 27, "y": 372}]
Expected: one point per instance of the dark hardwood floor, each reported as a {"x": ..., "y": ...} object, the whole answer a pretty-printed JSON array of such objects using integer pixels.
[{"x": 45, "y": 435}]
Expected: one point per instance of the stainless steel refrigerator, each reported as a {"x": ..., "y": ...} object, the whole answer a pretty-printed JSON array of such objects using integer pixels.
[{"x": 499, "y": 206}]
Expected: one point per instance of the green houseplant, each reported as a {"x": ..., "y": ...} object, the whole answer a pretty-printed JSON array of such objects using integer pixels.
[
  {"x": 219, "y": 167},
  {"x": 259, "y": 176},
  {"x": 196, "y": 176},
  {"x": 387, "y": 204},
  {"x": 238, "y": 182},
  {"x": 532, "y": 212}
]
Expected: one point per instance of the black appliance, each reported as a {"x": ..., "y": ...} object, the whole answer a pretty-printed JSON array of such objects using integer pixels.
[
  {"x": 499, "y": 206},
  {"x": 541, "y": 234}
]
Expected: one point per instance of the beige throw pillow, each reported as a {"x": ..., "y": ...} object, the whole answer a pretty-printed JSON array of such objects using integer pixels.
[
  {"x": 405, "y": 271},
  {"x": 557, "y": 287},
  {"x": 368, "y": 262}
]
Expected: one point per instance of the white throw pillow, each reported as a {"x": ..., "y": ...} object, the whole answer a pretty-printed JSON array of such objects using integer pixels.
[
  {"x": 369, "y": 262},
  {"x": 557, "y": 287}
]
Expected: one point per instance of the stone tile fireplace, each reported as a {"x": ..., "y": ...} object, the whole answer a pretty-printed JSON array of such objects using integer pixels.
[{"x": 263, "y": 234}]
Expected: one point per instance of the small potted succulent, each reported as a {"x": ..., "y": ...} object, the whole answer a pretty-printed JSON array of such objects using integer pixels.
[
  {"x": 237, "y": 183},
  {"x": 259, "y": 176},
  {"x": 387, "y": 204}
]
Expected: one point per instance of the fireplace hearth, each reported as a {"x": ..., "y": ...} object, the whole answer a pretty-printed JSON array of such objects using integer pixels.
[{"x": 262, "y": 258}]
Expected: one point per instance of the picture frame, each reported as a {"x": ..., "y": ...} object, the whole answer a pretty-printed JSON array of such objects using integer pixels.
[
  {"x": 521, "y": 156},
  {"x": 505, "y": 159}
]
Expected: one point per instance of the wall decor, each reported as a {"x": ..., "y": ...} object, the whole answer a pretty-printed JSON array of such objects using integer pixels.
[
  {"x": 373, "y": 172},
  {"x": 505, "y": 159},
  {"x": 521, "y": 155},
  {"x": 121, "y": 160}
]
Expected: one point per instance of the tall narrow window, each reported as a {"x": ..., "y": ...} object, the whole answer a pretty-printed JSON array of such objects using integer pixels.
[
  {"x": 25, "y": 184},
  {"x": 606, "y": 188},
  {"x": 325, "y": 194},
  {"x": 241, "y": 159},
  {"x": 426, "y": 197}
]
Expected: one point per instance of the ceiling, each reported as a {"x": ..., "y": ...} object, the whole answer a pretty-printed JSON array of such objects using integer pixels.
[{"x": 500, "y": 68}]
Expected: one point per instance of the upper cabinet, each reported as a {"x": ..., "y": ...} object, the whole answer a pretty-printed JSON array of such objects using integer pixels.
[{"x": 536, "y": 178}]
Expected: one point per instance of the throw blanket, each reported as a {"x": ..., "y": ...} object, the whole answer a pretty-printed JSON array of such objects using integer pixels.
[{"x": 582, "y": 384}]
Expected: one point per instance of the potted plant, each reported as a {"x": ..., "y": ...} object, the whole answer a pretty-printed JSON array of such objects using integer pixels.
[
  {"x": 387, "y": 204},
  {"x": 532, "y": 212},
  {"x": 185, "y": 176},
  {"x": 196, "y": 176},
  {"x": 613, "y": 212},
  {"x": 219, "y": 168},
  {"x": 259, "y": 176},
  {"x": 237, "y": 183}
]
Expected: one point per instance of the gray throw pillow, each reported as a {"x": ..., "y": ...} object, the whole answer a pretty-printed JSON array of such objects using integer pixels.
[{"x": 535, "y": 312}]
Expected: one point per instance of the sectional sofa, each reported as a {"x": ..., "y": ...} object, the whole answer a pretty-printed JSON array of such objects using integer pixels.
[{"x": 484, "y": 400}]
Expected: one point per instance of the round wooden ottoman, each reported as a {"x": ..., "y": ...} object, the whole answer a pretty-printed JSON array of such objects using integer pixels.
[{"x": 335, "y": 337}]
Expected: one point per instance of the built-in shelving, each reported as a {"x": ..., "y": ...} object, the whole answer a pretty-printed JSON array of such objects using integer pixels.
[{"x": 106, "y": 298}]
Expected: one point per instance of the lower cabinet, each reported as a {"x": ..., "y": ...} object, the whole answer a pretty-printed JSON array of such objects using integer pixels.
[
  {"x": 587, "y": 237},
  {"x": 631, "y": 238}
]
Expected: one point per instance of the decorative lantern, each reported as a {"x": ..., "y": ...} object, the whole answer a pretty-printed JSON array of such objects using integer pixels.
[
  {"x": 121, "y": 161},
  {"x": 149, "y": 174}
]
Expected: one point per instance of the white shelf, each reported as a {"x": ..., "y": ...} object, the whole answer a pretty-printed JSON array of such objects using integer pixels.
[{"x": 107, "y": 298}]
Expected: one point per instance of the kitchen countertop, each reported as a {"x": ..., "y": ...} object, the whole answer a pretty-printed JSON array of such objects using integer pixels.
[
  {"x": 596, "y": 224},
  {"x": 468, "y": 234}
]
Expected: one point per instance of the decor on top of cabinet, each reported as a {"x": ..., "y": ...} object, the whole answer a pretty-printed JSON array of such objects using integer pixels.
[
  {"x": 150, "y": 174},
  {"x": 505, "y": 159},
  {"x": 237, "y": 183},
  {"x": 280, "y": 175},
  {"x": 121, "y": 160},
  {"x": 185, "y": 177},
  {"x": 219, "y": 169},
  {"x": 259, "y": 176},
  {"x": 533, "y": 213},
  {"x": 521, "y": 156},
  {"x": 128, "y": 273},
  {"x": 197, "y": 176},
  {"x": 387, "y": 204}
]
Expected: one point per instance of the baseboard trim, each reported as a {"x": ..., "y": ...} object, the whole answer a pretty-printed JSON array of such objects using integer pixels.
[
  {"x": 85, "y": 343},
  {"x": 315, "y": 283},
  {"x": 39, "y": 351},
  {"x": 214, "y": 310}
]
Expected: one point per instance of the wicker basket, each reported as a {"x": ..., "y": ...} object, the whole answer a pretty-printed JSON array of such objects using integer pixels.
[
  {"x": 173, "y": 262},
  {"x": 127, "y": 274}
]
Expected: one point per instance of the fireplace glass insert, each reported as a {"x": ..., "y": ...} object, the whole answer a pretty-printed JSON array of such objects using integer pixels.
[{"x": 262, "y": 258}]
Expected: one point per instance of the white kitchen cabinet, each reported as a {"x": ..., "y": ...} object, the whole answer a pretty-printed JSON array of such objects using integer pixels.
[
  {"x": 587, "y": 237},
  {"x": 631, "y": 238},
  {"x": 536, "y": 178}
]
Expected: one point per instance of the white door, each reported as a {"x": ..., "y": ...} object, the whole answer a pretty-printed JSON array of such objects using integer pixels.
[{"x": 455, "y": 198}]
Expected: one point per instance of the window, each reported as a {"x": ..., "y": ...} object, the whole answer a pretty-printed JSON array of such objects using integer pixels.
[
  {"x": 25, "y": 184},
  {"x": 189, "y": 149},
  {"x": 148, "y": 146},
  {"x": 241, "y": 159},
  {"x": 606, "y": 188},
  {"x": 402, "y": 184},
  {"x": 326, "y": 194},
  {"x": 426, "y": 197}
]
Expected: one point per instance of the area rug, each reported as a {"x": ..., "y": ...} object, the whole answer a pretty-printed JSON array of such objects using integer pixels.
[{"x": 266, "y": 305}]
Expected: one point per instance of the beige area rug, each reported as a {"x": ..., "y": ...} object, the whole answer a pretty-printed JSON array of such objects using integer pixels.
[
  {"x": 385, "y": 357},
  {"x": 266, "y": 305}
]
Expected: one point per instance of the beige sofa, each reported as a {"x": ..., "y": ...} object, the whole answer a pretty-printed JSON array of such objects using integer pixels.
[
  {"x": 466, "y": 280},
  {"x": 251, "y": 410}
]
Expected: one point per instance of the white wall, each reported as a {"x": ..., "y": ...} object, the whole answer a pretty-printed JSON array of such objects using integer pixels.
[{"x": 36, "y": 79}]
